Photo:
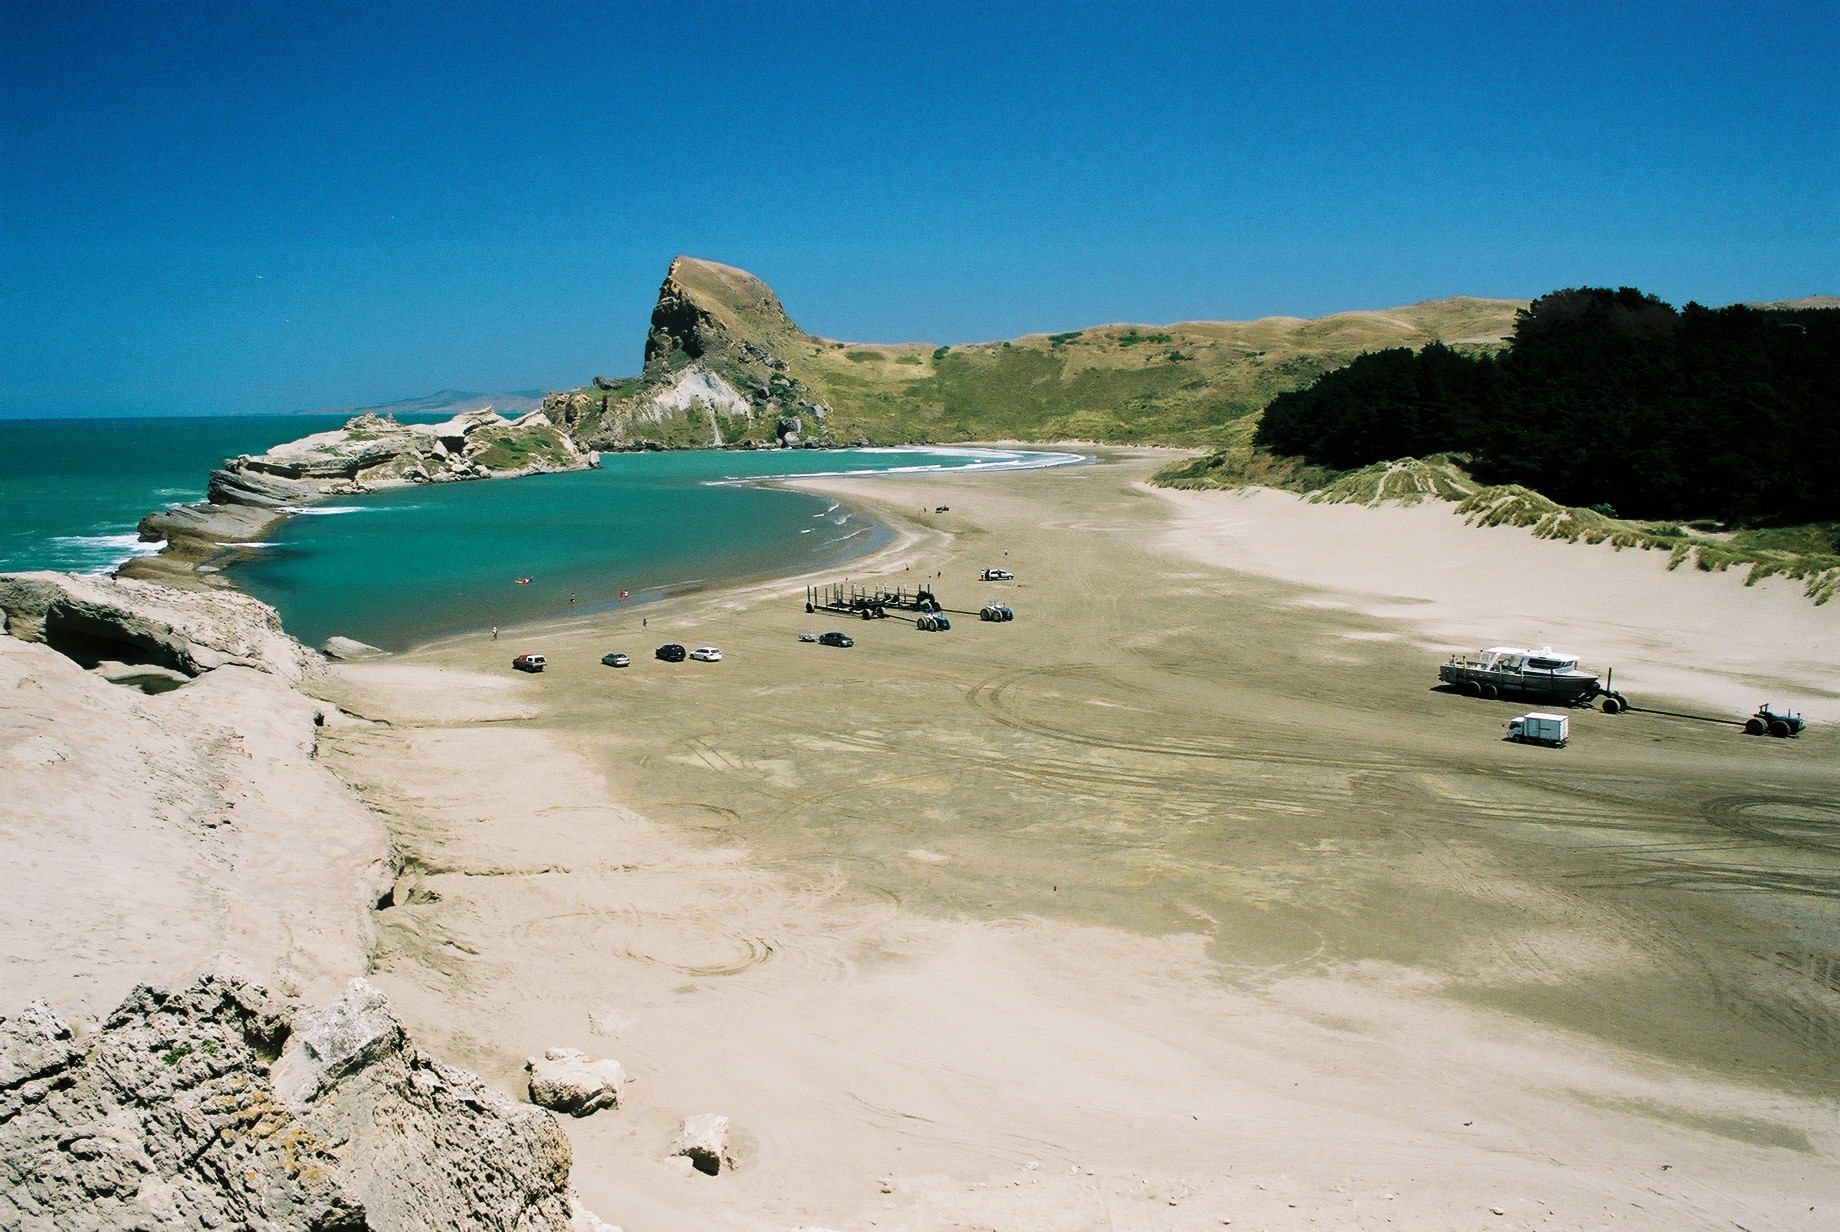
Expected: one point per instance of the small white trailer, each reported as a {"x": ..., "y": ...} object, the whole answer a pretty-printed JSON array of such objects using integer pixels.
[{"x": 1533, "y": 727}]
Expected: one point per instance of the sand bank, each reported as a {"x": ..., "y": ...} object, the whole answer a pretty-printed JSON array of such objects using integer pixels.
[
  {"x": 1679, "y": 635},
  {"x": 1181, "y": 900}
]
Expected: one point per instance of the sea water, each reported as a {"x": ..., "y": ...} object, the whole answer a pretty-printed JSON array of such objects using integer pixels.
[
  {"x": 411, "y": 564},
  {"x": 395, "y": 567},
  {"x": 72, "y": 490}
]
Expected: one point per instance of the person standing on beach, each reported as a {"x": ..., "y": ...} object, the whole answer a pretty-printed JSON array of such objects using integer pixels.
[{"x": 495, "y": 633}]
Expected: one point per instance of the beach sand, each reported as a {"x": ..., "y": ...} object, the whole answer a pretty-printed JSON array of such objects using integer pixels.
[{"x": 1183, "y": 901}]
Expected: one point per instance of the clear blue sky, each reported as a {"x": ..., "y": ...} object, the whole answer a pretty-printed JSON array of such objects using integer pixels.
[{"x": 266, "y": 206}]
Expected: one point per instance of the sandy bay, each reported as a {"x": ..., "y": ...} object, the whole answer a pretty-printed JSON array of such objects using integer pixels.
[{"x": 1182, "y": 899}]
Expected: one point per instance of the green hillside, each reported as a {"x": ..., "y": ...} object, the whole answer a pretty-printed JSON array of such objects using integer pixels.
[{"x": 1197, "y": 383}]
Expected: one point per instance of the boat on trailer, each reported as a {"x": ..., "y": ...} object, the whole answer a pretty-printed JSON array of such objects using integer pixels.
[{"x": 1510, "y": 671}]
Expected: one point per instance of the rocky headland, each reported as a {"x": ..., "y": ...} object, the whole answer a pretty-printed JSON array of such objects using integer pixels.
[{"x": 249, "y": 495}]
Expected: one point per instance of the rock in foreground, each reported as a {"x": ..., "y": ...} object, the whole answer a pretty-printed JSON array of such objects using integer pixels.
[
  {"x": 703, "y": 1140},
  {"x": 169, "y": 1117},
  {"x": 565, "y": 1080}
]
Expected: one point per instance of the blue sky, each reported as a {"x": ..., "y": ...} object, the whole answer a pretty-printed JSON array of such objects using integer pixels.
[{"x": 263, "y": 206}]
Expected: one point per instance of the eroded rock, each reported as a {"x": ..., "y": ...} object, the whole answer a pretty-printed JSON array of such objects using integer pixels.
[
  {"x": 565, "y": 1080},
  {"x": 168, "y": 1116},
  {"x": 703, "y": 1140},
  {"x": 99, "y": 619}
]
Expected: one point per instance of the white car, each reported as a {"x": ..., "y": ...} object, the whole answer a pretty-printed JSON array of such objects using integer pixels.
[{"x": 706, "y": 654}]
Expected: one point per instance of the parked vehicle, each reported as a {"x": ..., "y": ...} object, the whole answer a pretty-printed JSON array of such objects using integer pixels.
[
  {"x": 706, "y": 654},
  {"x": 529, "y": 662},
  {"x": 808, "y": 636},
  {"x": 1778, "y": 723},
  {"x": 837, "y": 639},
  {"x": 996, "y": 611},
  {"x": 932, "y": 622},
  {"x": 670, "y": 652},
  {"x": 616, "y": 659},
  {"x": 996, "y": 575},
  {"x": 1552, "y": 730}
]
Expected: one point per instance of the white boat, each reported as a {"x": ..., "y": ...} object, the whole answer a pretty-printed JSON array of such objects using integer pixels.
[{"x": 1510, "y": 671}]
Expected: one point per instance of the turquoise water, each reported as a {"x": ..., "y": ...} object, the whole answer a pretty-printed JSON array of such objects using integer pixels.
[
  {"x": 402, "y": 566},
  {"x": 72, "y": 490},
  {"x": 395, "y": 567}
]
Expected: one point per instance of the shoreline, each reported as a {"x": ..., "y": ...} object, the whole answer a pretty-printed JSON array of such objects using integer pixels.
[{"x": 1092, "y": 892}]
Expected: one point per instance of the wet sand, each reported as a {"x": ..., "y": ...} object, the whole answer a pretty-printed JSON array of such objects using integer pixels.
[{"x": 1182, "y": 899}]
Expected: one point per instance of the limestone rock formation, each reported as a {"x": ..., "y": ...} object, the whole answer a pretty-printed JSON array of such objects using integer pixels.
[
  {"x": 350, "y": 649},
  {"x": 703, "y": 1140},
  {"x": 565, "y": 1080},
  {"x": 92, "y": 619},
  {"x": 176, "y": 825},
  {"x": 168, "y": 1117},
  {"x": 248, "y": 495}
]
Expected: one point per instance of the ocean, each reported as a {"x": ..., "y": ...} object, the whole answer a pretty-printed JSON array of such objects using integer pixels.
[{"x": 393, "y": 568}]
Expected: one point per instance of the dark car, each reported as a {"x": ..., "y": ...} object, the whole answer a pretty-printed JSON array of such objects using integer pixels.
[
  {"x": 670, "y": 652},
  {"x": 837, "y": 639},
  {"x": 615, "y": 659}
]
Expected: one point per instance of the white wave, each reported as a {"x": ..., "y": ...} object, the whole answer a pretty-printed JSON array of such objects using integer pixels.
[
  {"x": 129, "y": 541},
  {"x": 323, "y": 511},
  {"x": 97, "y": 554},
  {"x": 846, "y": 538}
]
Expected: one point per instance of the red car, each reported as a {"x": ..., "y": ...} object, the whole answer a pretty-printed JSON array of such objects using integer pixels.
[{"x": 529, "y": 662}]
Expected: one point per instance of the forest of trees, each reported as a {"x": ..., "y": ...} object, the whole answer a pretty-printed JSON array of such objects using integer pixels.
[{"x": 1605, "y": 398}]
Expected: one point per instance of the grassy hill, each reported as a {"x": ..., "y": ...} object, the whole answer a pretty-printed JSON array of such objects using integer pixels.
[{"x": 1197, "y": 383}]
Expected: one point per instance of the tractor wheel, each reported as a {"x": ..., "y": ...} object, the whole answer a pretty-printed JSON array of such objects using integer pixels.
[
  {"x": 809, "y": 609},
  {"x": 1613, "y": 704},
  {"x": 1472, "y": 688},
  {"x": 1491, "y": 692},
  {"x": 1778, "y": 728},
  {"x": 1754, "y": 727}
]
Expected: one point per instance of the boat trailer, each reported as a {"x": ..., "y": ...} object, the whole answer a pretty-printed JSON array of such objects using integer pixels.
[{"x": 870, "y": 603}]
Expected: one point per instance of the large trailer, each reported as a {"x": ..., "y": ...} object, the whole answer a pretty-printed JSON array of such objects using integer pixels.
[{"x": 868, "y": 602}]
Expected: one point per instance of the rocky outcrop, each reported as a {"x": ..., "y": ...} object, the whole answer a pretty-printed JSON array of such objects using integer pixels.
[
  {"x": 217, "y": 1107},
  {"x": 351, "y": 649},
  {"x": 706, "y": 309},
  {"x": 371, "y": 451},
  {"x": 716, "y": 371},
  {"x": 565, "y": 1080},
  {"x": 181, "y": 823},
  {"x": 703, "y": 1140},
  {"x": 96, "y": 619},
  {"x": 248, "y": 495}
]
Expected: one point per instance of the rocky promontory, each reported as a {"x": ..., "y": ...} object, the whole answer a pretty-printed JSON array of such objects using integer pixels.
[{"x": 248, "y": 495}]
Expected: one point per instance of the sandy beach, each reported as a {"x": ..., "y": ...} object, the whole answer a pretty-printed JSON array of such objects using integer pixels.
[{"x": 1184, "y": 901}]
